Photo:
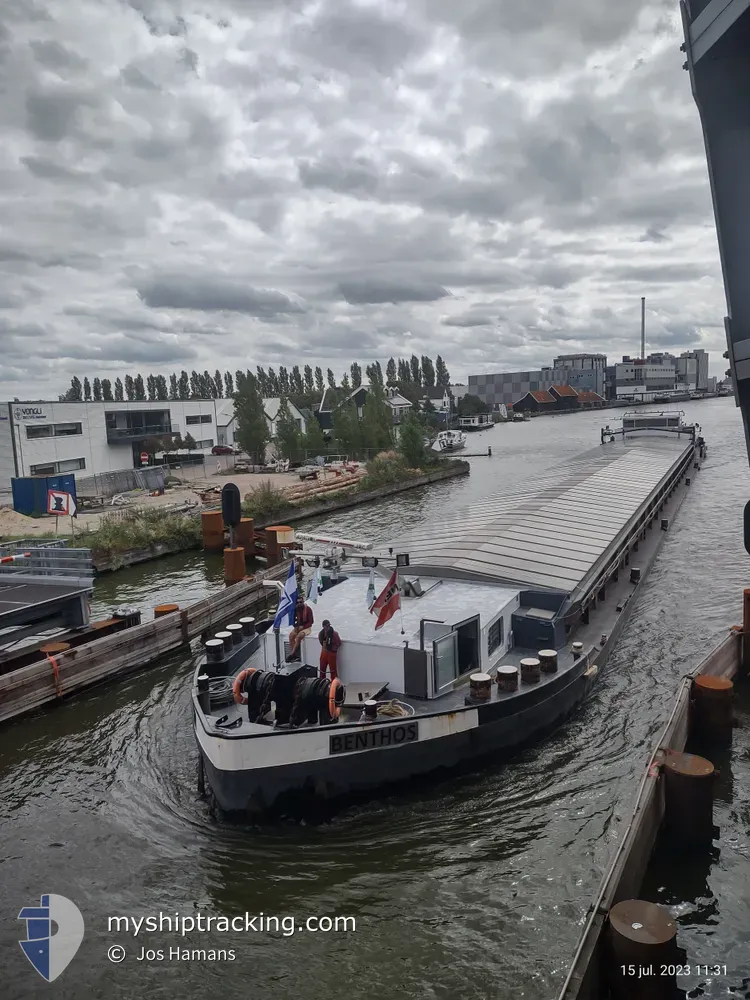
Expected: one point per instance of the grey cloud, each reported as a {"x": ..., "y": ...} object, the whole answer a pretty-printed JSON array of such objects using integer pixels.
[
  {"x": 468, "y": 320},
  {"x": 52, "y": 113},
  {"x": 215, "y": 294},
  {"x": 374, "y": 291},
  {"x": 47, "y": 169},
  {"x": 56, "y": 56}
]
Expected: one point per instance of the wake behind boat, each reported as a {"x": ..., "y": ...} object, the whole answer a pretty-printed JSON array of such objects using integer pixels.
[{"x": 493, "y": 627}]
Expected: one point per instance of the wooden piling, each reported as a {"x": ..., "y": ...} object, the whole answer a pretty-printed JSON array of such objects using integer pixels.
[
  {"x": 277, "y": 535},
  {"x": 712, "y": 720},
  {"x": 212, "y": 524},
  {"x": 165, "y": 609},
  {"x": 244, "y": 536},
  {"x": 54, "y": 648},
  {"x": 688, "y": 799},
  {"x": 234, "y": 565},
  {"x": 642, "y": 940},
  {"x": 746, "y": 630}
]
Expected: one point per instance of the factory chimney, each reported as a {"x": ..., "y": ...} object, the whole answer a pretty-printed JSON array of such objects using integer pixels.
[{"x": 643, "y": 328}]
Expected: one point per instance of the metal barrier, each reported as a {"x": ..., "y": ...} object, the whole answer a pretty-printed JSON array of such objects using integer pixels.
[{"x": 47, "y": 563}]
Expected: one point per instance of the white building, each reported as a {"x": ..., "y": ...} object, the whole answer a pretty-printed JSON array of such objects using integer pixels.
[
  {"x": 226, "y": 423},
  {"x": 642, "y": 380},
  {"x": 88, "y": 438},
  {"x": 440, "y": 398},
  {"x": 700, "y": 357}
]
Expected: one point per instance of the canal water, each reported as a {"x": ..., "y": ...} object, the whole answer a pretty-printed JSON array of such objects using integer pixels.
[{"x": 473, "y": 887}]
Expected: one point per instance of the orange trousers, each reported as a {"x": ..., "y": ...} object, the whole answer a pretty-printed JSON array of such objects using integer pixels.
[{"x": 328, "y": 660}]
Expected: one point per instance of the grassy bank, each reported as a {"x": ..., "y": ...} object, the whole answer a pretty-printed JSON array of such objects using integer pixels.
[{"x": 132, "y": 530}]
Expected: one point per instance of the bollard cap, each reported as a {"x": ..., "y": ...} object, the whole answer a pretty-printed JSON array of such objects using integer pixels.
[{"x": 642, "y": 922}]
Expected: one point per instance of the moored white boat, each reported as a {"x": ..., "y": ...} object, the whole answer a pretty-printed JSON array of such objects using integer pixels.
[{"x": 449, "y": 441}]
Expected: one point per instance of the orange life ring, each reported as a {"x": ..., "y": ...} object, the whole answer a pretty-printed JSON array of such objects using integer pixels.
[
  {"x": 238, "y": 695},
  {"x": 334, "y": 710}
]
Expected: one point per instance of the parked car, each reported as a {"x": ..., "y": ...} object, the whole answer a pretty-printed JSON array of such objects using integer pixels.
[{"x": 222, "y": 449}]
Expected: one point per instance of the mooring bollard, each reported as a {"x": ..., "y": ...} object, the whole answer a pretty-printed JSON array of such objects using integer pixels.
[
  {"x": 276, "y": 536},
  {"x": 54, "y": 648},
  {"x": 234, "y": 565},
  {"x": 688, "y": 799},
  {"x": 165, "y": 609},
  {"x": 212, "y": 525},
  {"x": 480, "y": 687},
  {"x": 547, "y": 661},
  {"x": 507, "y": 678},
  {"x": 642, "y": 939},
  {"x": 713, "y": 710},
  {"x": 530, "y": 670}
]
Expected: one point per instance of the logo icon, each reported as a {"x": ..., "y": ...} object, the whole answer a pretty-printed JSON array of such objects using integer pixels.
[
  {"x": 18, "y": 413},
  {"x": 51, "y": 953}
]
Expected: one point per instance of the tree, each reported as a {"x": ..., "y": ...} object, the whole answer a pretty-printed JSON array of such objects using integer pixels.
[
  {"x": 356, "y": 371},
  {"x": 314, "y": 441},
  {"x": 239, "y": 379},
  {"x": 129, "y": 387},
  {"x": 288, "y": 434},
  {"x": 284, "y": 384},
  {"x": 442, "y": 376},
  {"x": 75, "y": 392},
  {"x": 346, "y": 387},
  {"x": 218, "y": 392},
  {"x": 263, "y": 382},
  {"x": 468, "y": 405},
  {"x": 195, "y": 385},
  {"x": 319, "y": 384},
  {"x": 331, "y": 379},
  {"x": 183, "y": 385},
  {"x": 416, "y": 372},
  {"x": 428, "y": 371},
  {"x": 411, "y": 441},
  {"x": 347, "y": 429},
  {"x": 207, "y": 385},
  {"x": 228, "y": 385},
  {"x": 107, "y": 390},
  {"x": 189, "y": 442},
  {"x": 162, "y": 389},
  {"x": 174, "y": 390},
  {"x": 119, "y": 391},
  {"x": 404, "y": 371},
  {"x": 272, "y": 386},
  {"x": 295, "y": 380},
  {"x": 87, "y": 390},
  {"x": 97, "y": 387},
  {"x": 377, "y": 419},
  {"x": 390, "y": 372},
  {"x": 151, "y": 387},
  {"x": 308, "y": 381},
  {"x": 139, "y": 387},
  {"x": 251, "y": 427}
]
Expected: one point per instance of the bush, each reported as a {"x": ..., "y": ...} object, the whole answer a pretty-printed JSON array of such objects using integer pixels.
[
  {"x": 265, "y": 503},
  {"x": 140, "y": 529},
  {"x": 385, "y": 469}
]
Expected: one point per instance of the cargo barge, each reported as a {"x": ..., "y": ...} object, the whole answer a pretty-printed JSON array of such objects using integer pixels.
[{"x": 507, "y": 612}]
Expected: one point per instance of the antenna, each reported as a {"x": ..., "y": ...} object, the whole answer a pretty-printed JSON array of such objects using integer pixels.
[{"x": 643, "y": 328}]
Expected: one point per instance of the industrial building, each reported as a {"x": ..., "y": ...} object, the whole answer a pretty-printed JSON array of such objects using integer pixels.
[
  {"x": 507, "y": 387},
  {"x": 585, "y": 371},
  {"x": 90, "y": 438}
]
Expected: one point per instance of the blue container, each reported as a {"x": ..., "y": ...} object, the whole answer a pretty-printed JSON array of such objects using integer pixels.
[{"x": 30, "y": 493}]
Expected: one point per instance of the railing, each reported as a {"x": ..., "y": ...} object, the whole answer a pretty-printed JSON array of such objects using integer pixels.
[
  {"x": 47, "y": 562},
  {"x": 134, "y": 433}
]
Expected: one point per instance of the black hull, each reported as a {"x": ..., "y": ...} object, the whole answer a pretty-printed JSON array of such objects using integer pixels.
[{"x": 288, "y": 788}]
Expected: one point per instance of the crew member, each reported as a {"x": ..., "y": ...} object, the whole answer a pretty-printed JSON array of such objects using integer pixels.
[
  {"x": 303, "y": 623},
  {"x": 330, "y": 642}
]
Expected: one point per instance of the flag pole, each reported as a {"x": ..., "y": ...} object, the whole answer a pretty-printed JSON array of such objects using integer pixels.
[{"x": 400, "y": 605}]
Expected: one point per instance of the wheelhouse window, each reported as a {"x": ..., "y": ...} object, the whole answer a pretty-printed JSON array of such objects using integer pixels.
[{"x": 495, "y": 636}]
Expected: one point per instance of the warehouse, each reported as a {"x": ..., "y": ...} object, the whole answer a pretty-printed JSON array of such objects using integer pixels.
[{"x": 87, "y": 438}]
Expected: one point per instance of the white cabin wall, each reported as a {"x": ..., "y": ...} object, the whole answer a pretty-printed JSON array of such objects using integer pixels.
[
  {"x": 507, "y": 614},
  {"x": 362, "y": 662}
]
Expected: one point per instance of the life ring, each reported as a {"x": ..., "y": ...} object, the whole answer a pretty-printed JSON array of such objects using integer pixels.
[
  {"x": 239, "y": 697},
  {"x": 334, "y": 710}
]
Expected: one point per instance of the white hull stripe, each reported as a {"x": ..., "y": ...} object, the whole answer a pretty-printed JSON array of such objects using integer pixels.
[{"x": 278, "y": 750}]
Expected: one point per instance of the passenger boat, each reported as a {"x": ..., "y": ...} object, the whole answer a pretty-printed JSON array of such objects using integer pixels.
[
  {"x": 507, "y": 612},
  {"x": 449, "y": 441}
]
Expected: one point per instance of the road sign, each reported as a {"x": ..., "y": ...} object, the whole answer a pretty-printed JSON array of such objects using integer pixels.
[
  {"x": 61, "y": 504},
  {"x": 144, "y": 458}
]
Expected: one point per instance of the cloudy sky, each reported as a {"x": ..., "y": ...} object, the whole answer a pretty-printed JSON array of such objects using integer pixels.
[{"x": 186, "y": 184}]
